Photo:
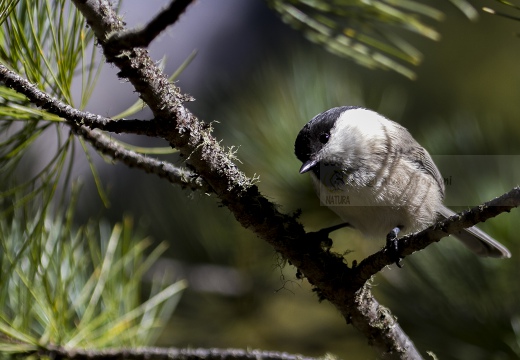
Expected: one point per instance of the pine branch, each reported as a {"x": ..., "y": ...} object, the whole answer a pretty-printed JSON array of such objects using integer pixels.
[
  {"x": 142, "y": 38},
  {"x": 168, "y": 354},
  {"x": 83, "y": 122},
  {"x": 453, "y": 225},
  {"x": 190, "y": 136},
  {"x": 175, "y": 175},
  {"x": 70, "y": 114}
]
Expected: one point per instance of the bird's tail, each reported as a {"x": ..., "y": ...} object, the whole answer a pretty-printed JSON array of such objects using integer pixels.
[{"x": 477, "y": 240}]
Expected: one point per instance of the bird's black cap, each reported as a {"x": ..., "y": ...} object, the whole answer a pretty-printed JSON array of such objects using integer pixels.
[{"x": 314, "y": 136}]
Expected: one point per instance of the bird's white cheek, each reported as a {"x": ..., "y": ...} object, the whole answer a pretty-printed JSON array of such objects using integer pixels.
[{"x": 339, "y": 150}]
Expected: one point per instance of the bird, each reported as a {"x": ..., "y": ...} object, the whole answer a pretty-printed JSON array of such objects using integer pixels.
[{"x": 377, "y": 178}]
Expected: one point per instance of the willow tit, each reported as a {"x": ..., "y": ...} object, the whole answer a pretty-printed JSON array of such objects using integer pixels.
[{"x": 373, "y": 174}]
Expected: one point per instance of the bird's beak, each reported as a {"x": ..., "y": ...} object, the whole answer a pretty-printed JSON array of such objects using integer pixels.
[{"x": 308, "y": 165}]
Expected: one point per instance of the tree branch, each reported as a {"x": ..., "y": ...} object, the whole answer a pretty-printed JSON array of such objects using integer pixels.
[
  {"x": 70, "y": 114},
  {"x": 454, "y": 224},
  {"x": 168, "y": 354},
  {"x": 83, "y": 122},
  {"x": 190, "y": 136},
  {"x": 129, "y": 39},
  {"x": 375, "y": 320},
  {"x": 175, "y": 175},
  {"x": 333, "y": 279}
]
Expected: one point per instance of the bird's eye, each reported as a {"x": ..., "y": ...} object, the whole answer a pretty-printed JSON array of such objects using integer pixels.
[{"x": 324, "y": 138}]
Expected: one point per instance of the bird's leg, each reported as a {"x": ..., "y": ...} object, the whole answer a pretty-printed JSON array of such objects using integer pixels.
[
  {"x": 323, "y": 234},
  {"x": 392, "y": 246},
  {"x": 327, "y": 231}
]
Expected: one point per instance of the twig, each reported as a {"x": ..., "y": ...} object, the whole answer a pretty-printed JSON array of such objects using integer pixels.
[
  {"x": 70, "y": 114},
  {"x": 129, "y": 39},
  {"x": 168, "y": 354},
  {"x": 415, "y": 242},
  {"x": 175, "y": 175},
  {"x": 79, "y": 120}
]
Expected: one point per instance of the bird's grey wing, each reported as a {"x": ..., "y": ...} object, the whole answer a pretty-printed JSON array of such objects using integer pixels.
[
  {"x": 477, "y": 240},
  {"x": 425, "y": 163},
  {"x": 417, "y": 155}
]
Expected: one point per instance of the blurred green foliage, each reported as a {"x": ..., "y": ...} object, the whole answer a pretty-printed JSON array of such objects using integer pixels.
[
  {"x": 77, "y": 287},
  {"x": 458, "y": 305},
  {"x": 367, "y": 32}
]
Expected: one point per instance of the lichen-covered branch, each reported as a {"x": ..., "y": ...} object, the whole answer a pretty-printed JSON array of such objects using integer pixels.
[
  {"x": 83, "y": 123},
  {"x": 54, "y": 106},
  {"x": 375, "y": 320},
  {"x": 415, "y": 242},
  {"x": 168, "y": 354},
  {"x": 175, "y": 175},
  {"x": 143, "y": 37}
]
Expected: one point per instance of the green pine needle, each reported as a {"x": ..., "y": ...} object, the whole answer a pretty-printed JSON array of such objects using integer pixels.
[
  {"x": 76, "y": 287},
  {"x": 356, "y": 29}
]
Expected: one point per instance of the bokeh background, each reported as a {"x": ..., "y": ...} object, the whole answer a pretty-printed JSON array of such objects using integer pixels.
[{"x": 259, "y": 82}]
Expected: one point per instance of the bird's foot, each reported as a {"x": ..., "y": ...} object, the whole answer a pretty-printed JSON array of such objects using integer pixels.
[
  {"x": 323, "y": 234},
  {"x": 392, "y": 246}
]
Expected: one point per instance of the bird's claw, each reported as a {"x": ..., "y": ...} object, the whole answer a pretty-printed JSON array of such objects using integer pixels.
[{"x": 392, "y": 246}]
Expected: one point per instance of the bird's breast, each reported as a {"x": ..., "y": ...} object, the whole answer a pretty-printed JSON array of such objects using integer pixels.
[{"x": 376, "y": 204}]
